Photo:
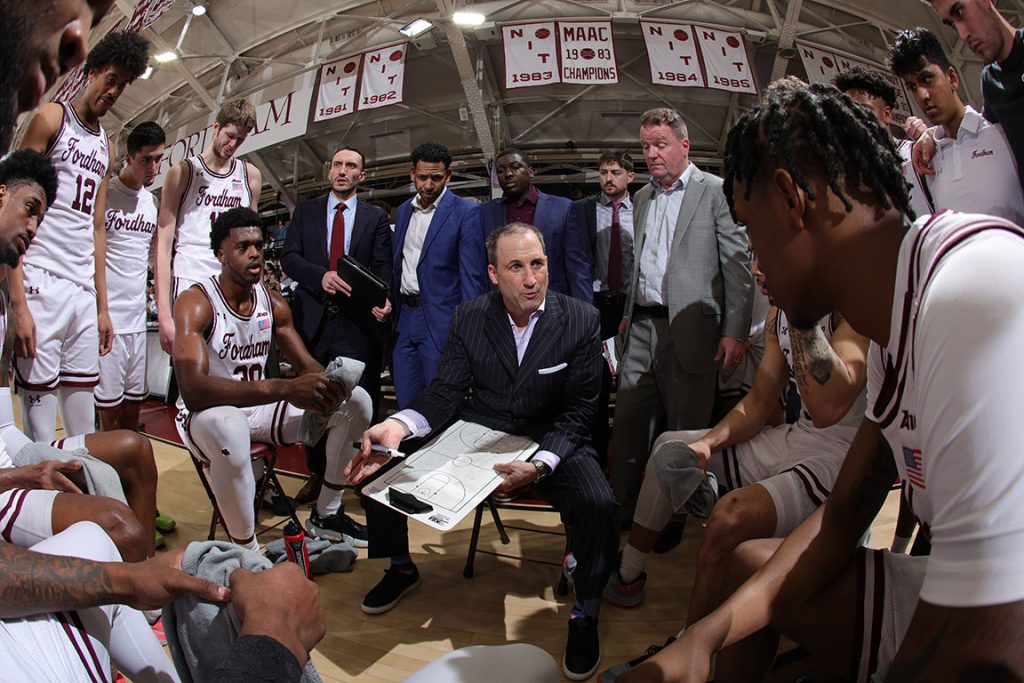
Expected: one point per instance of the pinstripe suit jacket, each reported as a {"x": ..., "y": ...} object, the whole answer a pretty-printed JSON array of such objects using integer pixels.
[{"x": 550, "y": 397}]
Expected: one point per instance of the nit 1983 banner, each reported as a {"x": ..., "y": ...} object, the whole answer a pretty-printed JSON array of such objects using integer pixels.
[{"x": 531, "y": 54}]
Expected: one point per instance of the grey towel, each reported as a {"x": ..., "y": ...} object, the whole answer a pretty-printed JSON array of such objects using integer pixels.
[
  {"x": 347, "y": 371},
  {"x": 324, "y": 556},
  {"x": 201, "y": 634},
  {"x": 95, "y": 477},
  {"x": 682, "y": 480}
]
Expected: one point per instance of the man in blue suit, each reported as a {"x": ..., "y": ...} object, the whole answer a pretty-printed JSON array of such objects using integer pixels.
[
  {"x": 569, "y": 268},
  {"x": 439, "y": 262},
  {"x": 322, "y": 230}
]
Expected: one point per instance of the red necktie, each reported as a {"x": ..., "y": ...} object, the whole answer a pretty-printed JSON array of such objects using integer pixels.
[
  {"x": 615, "y": 252},
  {"x": 337, "y": 236}
]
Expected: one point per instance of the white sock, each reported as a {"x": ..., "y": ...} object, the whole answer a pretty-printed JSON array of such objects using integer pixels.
[
  {"x": 346, "y": 425},
  {"x": 39, "y": 414},
  {"x": 77, "y": 410},
  {"x": 633, "y": 563}
]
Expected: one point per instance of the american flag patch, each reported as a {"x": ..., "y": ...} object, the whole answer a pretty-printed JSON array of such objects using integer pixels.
[
  {"x": 915, "y": 467},
  {"x": 236, "y": 182},
  {"x": 263, "y": 324}
]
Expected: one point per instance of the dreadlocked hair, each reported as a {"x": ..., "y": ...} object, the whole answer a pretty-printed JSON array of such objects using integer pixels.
[{"x": 816, "y": 131}]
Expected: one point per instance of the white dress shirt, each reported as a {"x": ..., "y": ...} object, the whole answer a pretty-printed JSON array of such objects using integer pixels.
[{"x": 412, "y": 247}]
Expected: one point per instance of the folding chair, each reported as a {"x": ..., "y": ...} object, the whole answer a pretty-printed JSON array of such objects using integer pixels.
[
  {"x": 524, "y": 502},
  {"x": 257, "y": 451}
]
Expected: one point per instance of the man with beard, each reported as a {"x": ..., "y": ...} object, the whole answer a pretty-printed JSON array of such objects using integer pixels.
[{"x": 58, "y": 296}]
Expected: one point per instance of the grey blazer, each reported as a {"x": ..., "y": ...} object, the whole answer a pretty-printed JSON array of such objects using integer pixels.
[{"x": 710, "y": 289}]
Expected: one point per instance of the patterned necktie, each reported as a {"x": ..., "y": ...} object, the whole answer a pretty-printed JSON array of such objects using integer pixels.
[
  {"x": 615, "y": 252},
  {"x": 337, "y": 236}
]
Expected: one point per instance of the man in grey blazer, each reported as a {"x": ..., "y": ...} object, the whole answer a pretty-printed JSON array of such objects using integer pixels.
[{"x": 688, "y": 311}]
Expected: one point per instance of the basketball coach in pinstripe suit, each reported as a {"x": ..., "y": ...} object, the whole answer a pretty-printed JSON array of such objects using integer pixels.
[{"x": 533, "y": 359}]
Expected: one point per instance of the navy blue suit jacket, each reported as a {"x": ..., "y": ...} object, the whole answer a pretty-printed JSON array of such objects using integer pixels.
[
  {"x": 452, "y": 266},
  {"x": 569, "y": 269},
  {"x": 550, "y": 397},
  {"x": 305, "y": 255}
]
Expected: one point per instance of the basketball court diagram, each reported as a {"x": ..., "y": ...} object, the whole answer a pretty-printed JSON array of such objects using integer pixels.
[{"x": 453, "y": 473}]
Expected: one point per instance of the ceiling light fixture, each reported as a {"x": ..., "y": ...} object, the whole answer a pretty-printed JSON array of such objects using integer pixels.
[
  {"x": 468, "y": 19},
  {"x": 164, "y": 57},
  {"x": 415, "y": 27},
  {"x": 198, "y": 9},
  {"x": 147, "y": 73}
]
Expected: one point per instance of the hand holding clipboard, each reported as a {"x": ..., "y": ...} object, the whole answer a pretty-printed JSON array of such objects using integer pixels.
[{"x": 368, "y": 290}]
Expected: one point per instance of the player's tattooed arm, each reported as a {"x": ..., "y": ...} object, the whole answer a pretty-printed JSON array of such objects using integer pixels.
[
  {"x": 37, "y": 583},
  {"x": 830, "y": 375}
]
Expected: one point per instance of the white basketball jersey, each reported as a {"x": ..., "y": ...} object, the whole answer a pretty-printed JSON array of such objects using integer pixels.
[
  {"x": 891, "y": 389},
  {"x": 64, "y": 243},
  {"x": 845, "y": 428},
  {"x": 130, "y": 224},
  {"x": 237, "y": 345},
  {"x": 5, "y": 458},
  {"x": 207, "y": 195}
]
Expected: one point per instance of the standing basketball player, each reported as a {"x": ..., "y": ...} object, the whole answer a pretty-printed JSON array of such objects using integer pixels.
[
  {"x": 58, "y": 296},
  {"x": 225, "y": 327},
  {"x": 130, "y": 219},
  {"x": 195, "y": 192}
]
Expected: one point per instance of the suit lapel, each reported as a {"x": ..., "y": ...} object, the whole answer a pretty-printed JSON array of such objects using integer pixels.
[
  {"x": 401, "y": 228},
  {"x": 362, "y": 220},
  {"x": 691, "y": 198},
  {"x": 441, "y": 212},
  {"x": 499, "y": 333},
  {"x": 542, "y": 341},
  {"x": 322, "y": 227}
]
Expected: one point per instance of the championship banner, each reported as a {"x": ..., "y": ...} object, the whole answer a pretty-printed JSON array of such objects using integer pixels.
[
  {"x": 821, "y": 66},
  {"x": 587, "y": 52},
  {"x": 146, "y": 14},
  {"x": 531, "y": 54},
  {"x": 336, "y": 93},
  {"x": 383, "y": 80},
  {"x": 725, "y": 60},
  {"x": 672, "y": 53}
]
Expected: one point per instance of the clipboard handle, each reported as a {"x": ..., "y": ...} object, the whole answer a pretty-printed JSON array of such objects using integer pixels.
[{"x": 407, "y": 503}]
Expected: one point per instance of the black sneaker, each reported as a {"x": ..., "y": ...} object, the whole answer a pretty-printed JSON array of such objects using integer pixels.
[
  {"x": 390, "y": 590},
  {"x": 582, "y": 649},
  {"x": 612, "y": 674},
  {"x": 337, "y": 527}
]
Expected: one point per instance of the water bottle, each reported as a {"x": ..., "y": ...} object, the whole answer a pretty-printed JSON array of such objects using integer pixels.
[{"x": 295, "y": 547}]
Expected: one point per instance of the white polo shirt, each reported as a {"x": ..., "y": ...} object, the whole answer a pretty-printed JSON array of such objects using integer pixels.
[{"x": 976, "y": 172}]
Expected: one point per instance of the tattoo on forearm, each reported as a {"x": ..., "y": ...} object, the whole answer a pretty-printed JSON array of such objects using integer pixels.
[
  {"x": 34, "y": 583},
  {"x": 813, "y": 356}
]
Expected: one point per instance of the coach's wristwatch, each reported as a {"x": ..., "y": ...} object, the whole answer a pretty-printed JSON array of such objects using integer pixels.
[{"x": 543, "y": 469}]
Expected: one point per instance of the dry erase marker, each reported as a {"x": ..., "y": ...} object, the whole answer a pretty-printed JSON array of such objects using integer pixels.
[{"x": 383, "y": 450}]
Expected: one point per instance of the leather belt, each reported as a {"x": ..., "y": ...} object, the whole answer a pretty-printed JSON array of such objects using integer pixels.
[
  {"x": 651, "y": 311},
  {"x": 413, "y": 300}
]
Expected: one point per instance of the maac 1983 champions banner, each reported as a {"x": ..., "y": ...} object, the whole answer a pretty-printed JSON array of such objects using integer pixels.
[
  {"x": 588, "y": 52},
  {"x": 383, "y": 77},
  {"x": 336, "y": 94},
  {"x": 672, "y": 52},
  {"x": 531, "y": 54},
  {"x": 725, "y": 60}
]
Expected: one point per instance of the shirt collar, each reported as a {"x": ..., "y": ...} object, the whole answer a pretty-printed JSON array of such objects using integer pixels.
[
  {"x": 626, "y": 202},
  {"x": 530, "y": 198},
  {"x": 679, "y": 184},
  {"x": 333, "y": 201},
  {"x": 416, "y": 202},
  {"x": 970, "y": 124},
  {"x": 533, "y": 316}
]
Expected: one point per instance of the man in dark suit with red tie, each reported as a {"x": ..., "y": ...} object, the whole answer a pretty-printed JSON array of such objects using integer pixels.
[
  {"x": 521, "y": 202},
  {"x": 533, "y": 360},
  {"x": 321, "y": 232},
  {"x": 607, "y": 220}
]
